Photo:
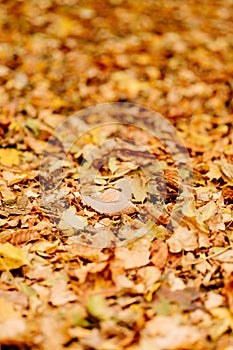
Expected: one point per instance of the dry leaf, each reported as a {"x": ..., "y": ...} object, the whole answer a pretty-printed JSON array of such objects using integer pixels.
[
  {"x": 207, "y": 211},
  {"x": 159, "y": 253},
  {"x": 136, "y": 255},
  {"x": 225, "y": 256},
  {"x": 214, "y": 172},
  {"x": 228, "y": 291},
  {"x": 13, "y": 331},
  {"x": 9, "y": 156},
  {"x": 97, "y": 307},
  {"x": 38, "y": 146},
  {"x": 7, "y": 311},
  {"x": 168, "y": 332},
  {"x": 11, "y": 257},
  {"x": 227, "y": 168},
  {"x": 14, "y": 178},
  {"x": 110, "y": 202},
  {"x": 8, "y": 196},
  {"x": 61, "y": 294},
  {"x": 70, "y": 222},
  {"x": 182, "y": 239},
  {"x": 149, "y": 275}
]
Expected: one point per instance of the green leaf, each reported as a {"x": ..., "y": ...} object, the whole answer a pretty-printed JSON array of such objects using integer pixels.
[{"x": 97, "y": 307}]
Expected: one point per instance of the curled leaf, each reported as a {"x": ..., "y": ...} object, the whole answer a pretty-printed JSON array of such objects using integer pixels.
[{"x": 110, "y": 202}]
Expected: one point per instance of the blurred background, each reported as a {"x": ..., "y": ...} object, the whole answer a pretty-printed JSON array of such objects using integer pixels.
[{"x": 59, "y": 56}]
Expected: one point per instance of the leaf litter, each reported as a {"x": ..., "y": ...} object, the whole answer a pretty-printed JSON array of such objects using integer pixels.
[{"x": 170, "y": 289}]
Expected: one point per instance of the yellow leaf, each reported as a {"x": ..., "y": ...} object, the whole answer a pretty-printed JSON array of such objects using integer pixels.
[
  {"x": 149, "y": 296},
  {"x": 189, "y": 209},
  {"x": 8, "y": 196},
  {"x": 58, "y": 102},
  {"x": 11, "y": 257},
  {"x": 44, "y": 246},
  {"x": 64, "y": 26},
  {"x": 113, "y": 164},
  {"x": 208, "y": 210},
  {"x": 9, "y": 156},
  {"x": 139, "y": 191}
]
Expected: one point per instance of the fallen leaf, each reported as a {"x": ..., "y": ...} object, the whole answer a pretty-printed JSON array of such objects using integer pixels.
[
  {"x": 223, "y": 256},
  {"x": 71, "y": 221},
  {"x": 189, "y": 209},
  {"x": 38, "y": 146},
  {"x": 182, "y": 239},
  {"x": 9, "y": 156},
  {"x": 113, "y": 164},
  {"x": 228, "y": 291},
  {"x": 8, "y": 196},
  {"x": 90, "y": 253},
  {"x": 159, "y": 253},
  {"x": 149, "y": 275},
  {"x": 227, "y": 168},
  {"x": 110, "y": 202},
  {"x": 61, "y": 294},
  {"x": 97, "y": 307},
  {"x": 206, "y": 211},
  {"x": 13, "y": 331},
  {"x": 139, "y": 191},
  {"x": 11, "y": 257},
  {"x": 7, "y": 311},
  {"x": 223, "y": 322},
  {"x": 135, "y": 255},
  {"x": 214, "y": 172},
  {"x": 44, "y": 246},
  {"x": 13, "y": 178},
  {"x": 168, "y": 332}
]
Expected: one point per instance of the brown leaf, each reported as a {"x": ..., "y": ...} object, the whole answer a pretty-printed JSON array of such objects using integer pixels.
[
  {"x": 159, "y": 253},
  {"x": 228, "y": 291},
  {"x": 61, "y": 294},
  {"x": 136, "y": 255}
]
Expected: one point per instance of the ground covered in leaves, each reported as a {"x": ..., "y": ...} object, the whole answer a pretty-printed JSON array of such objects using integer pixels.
[{"x": 173, "y": 287}]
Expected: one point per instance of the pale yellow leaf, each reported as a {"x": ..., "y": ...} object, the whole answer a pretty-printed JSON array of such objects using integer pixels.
[
  {"x": 208, "y": 210},
  {"x": 113, "y": 164},
  {"x": 109, "y": 202},
  {"x": 139, "y": 191},
  {"x": 70, "y": 222},
  {"x": 189, "y": 209},
  {"x": 182, "y": 239}
]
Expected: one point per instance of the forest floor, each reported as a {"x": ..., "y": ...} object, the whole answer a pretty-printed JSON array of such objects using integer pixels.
[{"x": 77, "y": 283}]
